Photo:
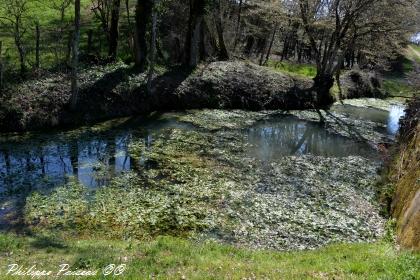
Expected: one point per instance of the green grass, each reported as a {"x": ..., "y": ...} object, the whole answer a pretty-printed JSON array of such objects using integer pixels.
[
  {"x": 397, "y": 87},
  {"x": 305, "y": 70},
  {"x": 48, "y": 18},
  {"x": 173, "y": 258},
  {"x": 416, "y": 47},
  {"x": 412, "y": 54}
]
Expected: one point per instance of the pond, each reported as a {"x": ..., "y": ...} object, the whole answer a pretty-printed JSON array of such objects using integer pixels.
[
  {"x": 262, "y": 179},
  {"x": 94, "y": 158},
  {"x": 390, "y": 118}
]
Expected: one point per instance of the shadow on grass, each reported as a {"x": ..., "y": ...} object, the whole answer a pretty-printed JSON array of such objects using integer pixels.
[{"x": 48, "y": 242}]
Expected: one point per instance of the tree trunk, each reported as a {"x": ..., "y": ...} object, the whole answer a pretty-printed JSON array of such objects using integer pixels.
[
  {"x": 249, "y": 45},
  {"x": 75, "y": 56},
  {"x": 322, "y": 85},
  {"x": 223, "y": 53},
  {"x": 69, "y": 49},
  {"x": 152, "y": 51},
  {"x": 195, "y": 43},
  {"x": 1, "y": 67},
  {"x": 143, "y": 14},
  {"x": 20, "y": 48},
  {"x": 192, "y": 45},
  {"x": 90, "y": 41},
  {"x": 238, "y": 25},
  {"x": 38, "y": 35},
  {"x": 270, "y": 47},
  {"x": 22, "y": 60},
  {"x": 261, "y": 46},
  {"x": 113, "y": 30},
  {"x": 130, "y": 31},
  {"x": 285, "y": 50},
  {"x": 74, "y": 158}
]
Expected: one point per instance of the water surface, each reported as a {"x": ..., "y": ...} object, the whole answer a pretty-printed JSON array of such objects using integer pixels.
[
  {"x": 389, "y": 118},
  {"x": 95, "y": 156}
]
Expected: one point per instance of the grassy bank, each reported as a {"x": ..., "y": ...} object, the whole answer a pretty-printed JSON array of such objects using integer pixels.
[
  {"x": 172, "y": 258},
  {"x": 404, "y": 176},
  {"x": 305, "y": 70},
  {"x": 396, "y": 83}
]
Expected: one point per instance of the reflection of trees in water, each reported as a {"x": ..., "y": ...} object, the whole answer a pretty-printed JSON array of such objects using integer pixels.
[
  {"x": 291, "y": 137},
  {"x": 48, "y": 163},
  {"x": 74, "y": 157}
]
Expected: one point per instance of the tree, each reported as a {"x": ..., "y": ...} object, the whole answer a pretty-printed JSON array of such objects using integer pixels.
[
  {"x": 14, "y": 14},
  {"x": 143, "y": 16},
  {"x": 37, "y": 45},
  {"x": 195, "y": 22},
  {"x": 113, "y": 30},
  {"x": 334, "y": 26},
  {"x": 75, "y": 56},
  {"x": 60, "y": 6},
  {"x": 222, "y": 50},
  {"x": 238, "y": 24},
  {"x": 259, "y": 20},
  {"x": 152, "y": 47},
  {"x": 108, "y": 13},
  {"x": 1, "y": 67}
]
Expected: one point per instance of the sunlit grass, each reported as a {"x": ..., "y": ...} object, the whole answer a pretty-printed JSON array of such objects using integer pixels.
[
  {"x": 397, "y": 88},
  {"x": 413, "y": 54},
  {"x": 416, "y": 47},
  {"x": 306, "y": 70},
  {"x": 41, "y": 11},
  {"x": 173, "y": 258}
]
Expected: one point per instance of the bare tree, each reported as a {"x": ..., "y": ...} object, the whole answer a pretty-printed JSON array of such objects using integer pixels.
[
  {"x": 37, "y": 45},
  {"x": 270, "y": 47},
  {"x": 75, "y": 56},
  {"x": 108, "y": 14},
  {"x": 152, "y": 47},
  {"x": 1, "y": 67},
  {"x": 143, "y": 15},
  {"x": 238, "y": 24},
  {"x": 195, "y": 22},
  {"x": 130, "y": 31},
  {"x": 14, "y": 13},
  {"x": 332, "y": 26},
  {"x": 113, "y": 29},
  {"x": 60, "y": 6},
  {"x": 217, "y": 14}
]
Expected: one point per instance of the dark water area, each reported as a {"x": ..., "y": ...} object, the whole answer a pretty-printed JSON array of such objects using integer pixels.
[{"x": 95, "y": 156}]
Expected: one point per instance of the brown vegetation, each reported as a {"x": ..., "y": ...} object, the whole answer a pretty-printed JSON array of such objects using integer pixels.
[{"x": 405, "y": 173}]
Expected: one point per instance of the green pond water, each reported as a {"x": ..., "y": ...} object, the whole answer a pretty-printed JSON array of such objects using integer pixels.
[{"x": 261, "y": 179}]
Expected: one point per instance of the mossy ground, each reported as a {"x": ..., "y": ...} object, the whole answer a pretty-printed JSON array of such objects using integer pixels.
[{"x": 175, "y": 258}]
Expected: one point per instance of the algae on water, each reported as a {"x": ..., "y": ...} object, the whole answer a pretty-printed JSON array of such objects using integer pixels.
[{"x": 201, "y": 181}]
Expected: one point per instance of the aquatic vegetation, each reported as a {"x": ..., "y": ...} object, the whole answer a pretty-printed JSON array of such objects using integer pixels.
[
  {"x": 203, "y": 182},
  {"x": 218, "y": 119}
]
